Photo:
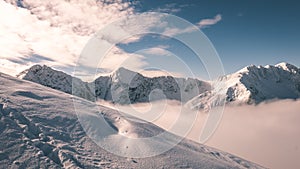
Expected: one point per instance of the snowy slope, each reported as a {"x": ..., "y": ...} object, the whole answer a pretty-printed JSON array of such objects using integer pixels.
[
  {"x": 253, "y": 84},
  {"x": 39, "y": 129},
  {"x": 122, "y": 86}
]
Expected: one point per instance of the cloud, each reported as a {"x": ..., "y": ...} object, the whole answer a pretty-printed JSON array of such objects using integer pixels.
[
  {"x": 168, "y": 8},
  {"x": 131, "y": 40},
  {"x": 158, "y": 50},
  {"x": 54, "y": 32},
  {"x": 118, "y": 58},
  {"x": 172, "y": 31},
  {"x": 51, "y": 32},
  {"x": 81, "y": 17},
  {"x": 208, "y": 22},
  {"x": 267, "y": 134}
]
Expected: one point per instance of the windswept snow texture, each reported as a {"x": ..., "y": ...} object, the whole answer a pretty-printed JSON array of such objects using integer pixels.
[
  {"x": 39, "y": 129},
  {"x": 123, "y": 86},
  {"x": 253, "y": 84}
]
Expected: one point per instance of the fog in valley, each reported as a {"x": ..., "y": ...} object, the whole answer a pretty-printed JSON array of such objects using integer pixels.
[{"x": 267, "y": 134}]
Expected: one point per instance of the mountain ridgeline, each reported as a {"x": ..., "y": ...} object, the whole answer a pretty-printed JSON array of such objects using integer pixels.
[
  {"x": 122, "y": 86},
  {"x": 251, "y": 85}
]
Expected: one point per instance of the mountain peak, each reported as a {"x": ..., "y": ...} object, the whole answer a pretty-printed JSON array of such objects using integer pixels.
[
  {"x": 25, "y": 72},
  {"x": 122, "y": 70},
  {"x": 47, "y": 76},
  {"x": 255, "y": 84},
  {"x": 37, "y": 66},
  {"x": 247, "y": 69},
  {"x": 35, "y": 69},
  {"x": 124, "y": 75},
  {"x": 287, "y": 67},
  {"x": 283, "y": 65}
]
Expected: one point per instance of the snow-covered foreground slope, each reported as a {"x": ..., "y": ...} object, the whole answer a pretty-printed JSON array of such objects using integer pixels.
[
  {"x": 122, "y": 86},
  {"x": 40, "y": 129},
  {"x": 252, "y": 84}
]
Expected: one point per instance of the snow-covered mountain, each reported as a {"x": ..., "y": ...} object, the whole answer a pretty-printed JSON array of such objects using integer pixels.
[
  {"x": 122, "y": 86},
  {"x": 125, "y": 86},
  {"x": 253, "y": 84},
  {"x": 58, "y": 80},
  {"x": 49, "y": 77},
  {"x": 39, "y": 129}
]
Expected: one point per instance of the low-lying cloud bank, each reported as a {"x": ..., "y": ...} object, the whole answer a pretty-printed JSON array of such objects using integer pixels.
[{"x": 267, "y": 134}]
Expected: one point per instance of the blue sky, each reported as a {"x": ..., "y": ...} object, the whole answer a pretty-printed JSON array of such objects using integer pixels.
[{"x": 256, "y": 32}]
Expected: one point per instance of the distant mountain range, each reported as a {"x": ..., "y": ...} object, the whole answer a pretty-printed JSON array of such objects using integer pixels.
[
  {"x": 251, "y": 85},
  {"x": 122, "y": 86}
]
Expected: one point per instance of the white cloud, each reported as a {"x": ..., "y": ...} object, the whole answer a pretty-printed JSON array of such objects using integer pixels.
[
  {"x": 81, "y": 17},
  {"x": 172, "y": 31},
  {"x": 208, "y": 22},
  {"x": 131, "y": 40},
  {"x": 116, "y": 58},
  {"x": 158, "y": 50},
  {"x": 54, "y": 30},
  {"x": 168, "y": 8},
  {"x": 267, "y": 134}
]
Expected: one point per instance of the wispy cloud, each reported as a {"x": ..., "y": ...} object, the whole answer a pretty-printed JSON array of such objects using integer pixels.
[
  {"x": 208, "y": 22},
  {"x": 160, "y": 50},
  {"x": 204, "y": 23},
  {"x": 168, "y": 8},
  {"x": 172, "y": 31}
]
